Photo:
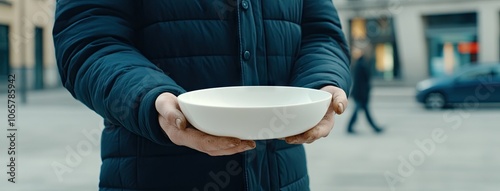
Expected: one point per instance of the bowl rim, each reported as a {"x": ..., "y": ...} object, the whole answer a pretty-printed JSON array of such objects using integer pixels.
[{"x": 181, "y": 100}]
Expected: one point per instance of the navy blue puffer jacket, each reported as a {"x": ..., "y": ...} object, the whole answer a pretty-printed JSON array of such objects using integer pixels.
[{"x": 117, "y": 56}]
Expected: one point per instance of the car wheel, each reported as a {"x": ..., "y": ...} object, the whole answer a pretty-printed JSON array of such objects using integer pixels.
[{"x": 435, "y": 101}]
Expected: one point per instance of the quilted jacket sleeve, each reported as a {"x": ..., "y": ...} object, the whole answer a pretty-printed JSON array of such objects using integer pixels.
[
  {"x": 324, "y": 56},
  {"x": 99, "y": 65}
]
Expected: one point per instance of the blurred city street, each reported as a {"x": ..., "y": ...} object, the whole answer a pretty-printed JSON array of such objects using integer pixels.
[
  {"x": 403, "y": 44},
  {"x": 466, "y": 159},
  {"x": 420, "y": 150}
]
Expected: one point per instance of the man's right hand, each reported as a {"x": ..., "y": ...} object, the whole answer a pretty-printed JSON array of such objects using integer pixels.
[{"x": 181, "y": 133}]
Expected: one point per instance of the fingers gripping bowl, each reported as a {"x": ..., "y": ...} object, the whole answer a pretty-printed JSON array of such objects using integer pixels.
[{"x": 255, "y": 112}]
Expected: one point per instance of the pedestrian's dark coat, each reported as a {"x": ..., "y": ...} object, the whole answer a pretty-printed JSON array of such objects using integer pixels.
[
  {"x": 362, "y": 80},
  {"x": 117, "y": 56}
]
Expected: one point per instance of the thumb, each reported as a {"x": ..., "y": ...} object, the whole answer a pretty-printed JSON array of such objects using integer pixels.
[
  {"x": 339, "y": 99},
  {"x": 176, "y": 118},
  {"x": 168, "y": 108}
]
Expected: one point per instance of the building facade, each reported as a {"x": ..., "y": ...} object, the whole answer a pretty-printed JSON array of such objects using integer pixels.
[
  {"x": 411, "y": 39},
  {"x": 416, "y": 39},
  {"x": 26, "y": 46}
]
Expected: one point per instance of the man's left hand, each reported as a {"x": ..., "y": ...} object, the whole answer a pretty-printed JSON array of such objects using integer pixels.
[{"x": 323, "y": 128}]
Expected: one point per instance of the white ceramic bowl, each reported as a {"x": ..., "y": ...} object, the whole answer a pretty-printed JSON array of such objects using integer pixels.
[{"x": 254, "y": 112}]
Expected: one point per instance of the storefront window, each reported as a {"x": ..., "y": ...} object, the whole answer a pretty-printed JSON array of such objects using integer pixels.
[
  {"x": 379, "y": 32},
  {"x": 452, "y": 42}
]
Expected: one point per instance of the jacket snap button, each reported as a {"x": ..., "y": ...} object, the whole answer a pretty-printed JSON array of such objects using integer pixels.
[
  {"x": 245, "y": 4},
  {"x": 246, "y": 55}
]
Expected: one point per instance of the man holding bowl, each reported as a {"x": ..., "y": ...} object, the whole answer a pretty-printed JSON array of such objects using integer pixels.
[{"x": 128, "y": 60}]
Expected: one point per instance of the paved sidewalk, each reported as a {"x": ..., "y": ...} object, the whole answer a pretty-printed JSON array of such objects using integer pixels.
[
  {"x": 455, "y": 150},
  {"x": 53, "y": 152},
  {"x": 394, "y": 91}
]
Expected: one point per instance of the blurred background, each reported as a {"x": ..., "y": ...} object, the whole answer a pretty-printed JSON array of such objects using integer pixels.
[{"x": 422, "y": 147}]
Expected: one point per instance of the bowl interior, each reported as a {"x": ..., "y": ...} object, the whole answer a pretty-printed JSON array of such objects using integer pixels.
[{"x": 254, "y": 96}]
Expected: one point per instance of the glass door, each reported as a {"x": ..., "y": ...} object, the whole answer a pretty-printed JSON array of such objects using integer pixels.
[
  {"x": 39, "y": 58},
  {"x": 4, "y": 51}
]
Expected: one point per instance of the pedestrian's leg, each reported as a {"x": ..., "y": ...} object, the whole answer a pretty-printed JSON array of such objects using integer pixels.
[
  {"x": 369, "y": 118},
  {"x": 353, "y": 119}
]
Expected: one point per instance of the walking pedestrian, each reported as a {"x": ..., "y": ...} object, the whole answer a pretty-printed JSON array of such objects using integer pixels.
[{"x": 361, "y": 88}]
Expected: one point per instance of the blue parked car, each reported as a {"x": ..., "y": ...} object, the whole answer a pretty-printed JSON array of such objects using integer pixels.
[{"x": 478, "y": 83}]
